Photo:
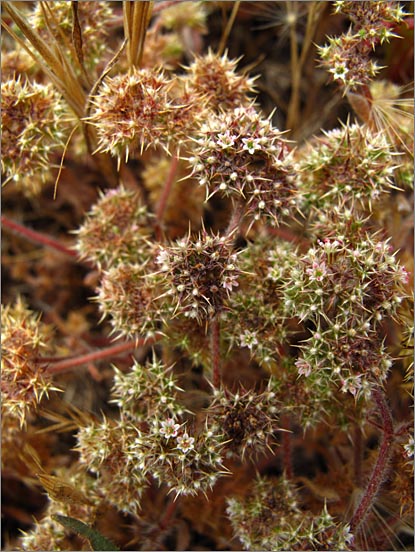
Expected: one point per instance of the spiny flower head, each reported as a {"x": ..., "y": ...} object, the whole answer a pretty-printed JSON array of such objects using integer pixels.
[
  {"x": 129, "y": 297},
  {"x": 348, "y": 57},
  {"x": 214, "y": 79},
  {"x": 248, "y": 419},
  {"x": 132, "y": 112},
  {"x": 184, "y": 15},
  {"x": 146, "y": 391},
  {"x": 104, "y": 449},
  {"x": 371, "y": 19},
  {"x": 25, "y": 380},
  {"x": 115, "y": 230},
  {"x": 348, "y": 164},
  {"x": 93, "y": 18},
  {"x": 33, "y": 129},
  {"x": 347, "y": 355},
  {"x": 186, "y": 461},
  {"x": 256, "y": 318},
  {"x": 240, "y": 154},
  {"x": 356, "y": 277},
  {"x": 199, "y": 274},
  {"x": 273, "y": 507}
]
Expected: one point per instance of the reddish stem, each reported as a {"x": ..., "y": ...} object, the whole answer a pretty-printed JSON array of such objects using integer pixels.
[
  {"x": 380, "y": 469},
  {"x": 36, "y": 237},
  {"x": 161, "y": 207},
  {"x": 358, "y": 455},
  {"x": 113, "y": 351},
  {"x": 168, "y": 514},
  {"x": 215, "y": 342}
]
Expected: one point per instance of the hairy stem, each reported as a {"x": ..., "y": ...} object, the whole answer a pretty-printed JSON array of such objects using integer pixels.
[
  {"x": 215, "y": 342},
  {"x": 60, "y": 366},
  {"x": 36, "y": 237},
  {"x": 358, "y": 455},
  {"x": 236, "y": 218},
  {"x": 380, "y": 469}
]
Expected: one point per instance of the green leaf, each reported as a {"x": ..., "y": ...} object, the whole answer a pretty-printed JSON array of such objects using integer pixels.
[{"x": 98, "y": 542}]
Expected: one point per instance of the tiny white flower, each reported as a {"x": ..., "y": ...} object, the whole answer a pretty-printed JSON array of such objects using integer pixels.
[
  {"x": 185, "y": 443},
  {"x": 169, "y": 428}
]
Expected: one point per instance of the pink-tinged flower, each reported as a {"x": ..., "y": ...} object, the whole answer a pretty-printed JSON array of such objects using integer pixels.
[
  {"x": 317, "y": 271},
  {"x": 225, "y": 140},
  {"x": 169, "y": 428},
  {"x": 303, "y": 367},
  {"x": 185, "y": 443},
  {"x": 404, "y": 274},
  {"x": 230, "y": 281},
  {"x": 352, "y": 384}
]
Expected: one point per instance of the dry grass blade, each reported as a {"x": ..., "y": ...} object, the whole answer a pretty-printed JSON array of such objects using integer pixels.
[
  {"x": 52, "y": 60},
  {"x": 136, "y": 19}
]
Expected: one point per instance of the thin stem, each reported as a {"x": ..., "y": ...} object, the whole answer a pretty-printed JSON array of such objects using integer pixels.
[
  {"x": 236, "y": 217},
  {"x": 228, "y": 28},
  {"x": 161, "y": 207},
  {"x": 168, "y": 514},
  {"x": 113, "y": 351},
  {"x": 380, "y": 469},
  {"x": 36, "y": 237},
  {"x": 358, "y": 455},
  {"x": 215, "y": 342}
]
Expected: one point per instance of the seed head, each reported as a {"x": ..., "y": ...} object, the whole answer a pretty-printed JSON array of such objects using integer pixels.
[
  {"x": 115, "y": 230},
  {"x": 346, "y": 166},
  {"x": 247, "y": 419},
  {"x": 239, "y": 154},
  {"x": 24, "y": 379},
  {"x": 131, "y": 112},
  {"x": 215, "y": 81},
  {"x": 200, "y": 275},
  {"x": 130, "y": 299},
  {"x": 33, "y": 129},
  {"x": 273, "y": 508},
  {"x": 147, "y": 391}
]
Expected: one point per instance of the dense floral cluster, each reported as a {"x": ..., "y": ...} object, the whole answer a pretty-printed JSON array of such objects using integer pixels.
[
  {"x": 257, "y": 320},
  {"x": 238, "y": 153},
  {"x": 200, "y": 275},
  {"x": 345, "y": 166},
  {"x": 348, "y": 57},
  {"x": 58, "y": 19},
  {"x": 248, "y": 420},
  {"x": 104, "y": 450},
  {"x": 132, "y": 112},
  {"x": 273, "y": 508},
  {"x": 145, "y": 390},
  {"x": 215, "y": 81},
  {"x": 25, "y": 380},
  {"x": 32, "y": 131},
  {"x": 150, "y": 439},
  {"x": 346, "y": 286},
  {"x": 130, "y": 298},
  {"x": 116, "y": 230}
]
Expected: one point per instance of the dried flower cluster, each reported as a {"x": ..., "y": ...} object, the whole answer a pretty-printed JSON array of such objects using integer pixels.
[
  {"x": 251, "y": 388},
  {"x": 32, "y": 132},
  {"x": 348, "y": 57},
  {"x": 24, "y": 379}
]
